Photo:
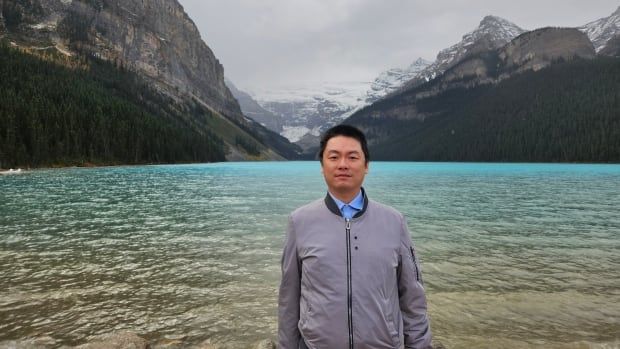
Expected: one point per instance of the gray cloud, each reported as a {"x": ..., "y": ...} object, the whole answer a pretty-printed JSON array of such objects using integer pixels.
[{"x": 275, "y": 42}]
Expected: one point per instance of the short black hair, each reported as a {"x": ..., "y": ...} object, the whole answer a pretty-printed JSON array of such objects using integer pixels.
[{"x": 347, "y": 131}]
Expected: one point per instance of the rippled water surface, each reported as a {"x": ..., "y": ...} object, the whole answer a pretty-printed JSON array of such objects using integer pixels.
[{"x": 514, "y": 255}]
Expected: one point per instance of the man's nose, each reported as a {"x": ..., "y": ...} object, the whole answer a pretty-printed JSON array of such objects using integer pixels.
[{"x": 343, "y": 163}]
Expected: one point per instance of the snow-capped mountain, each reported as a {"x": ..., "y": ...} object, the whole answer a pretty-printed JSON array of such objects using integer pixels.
[
  {"x": 390, "y": 80},
  {"x": 492, "y": 33},
  {"x": 312, "y": 108},
  {"x": 308, "y": 110},
  {"x": 602, "y": 30}
]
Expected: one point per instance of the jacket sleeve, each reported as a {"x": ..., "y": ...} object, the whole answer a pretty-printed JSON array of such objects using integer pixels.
[
  {"x": 412, "y": 299},
  {"x": 290, "y": 289}
]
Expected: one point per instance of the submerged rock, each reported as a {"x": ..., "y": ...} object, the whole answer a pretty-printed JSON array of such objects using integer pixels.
[
  {"x": 438, "y": 345},
  {"x": 120, "y": 340},
  {"x": 36, "y": 343},
  {"x": 265, "y": 344}
]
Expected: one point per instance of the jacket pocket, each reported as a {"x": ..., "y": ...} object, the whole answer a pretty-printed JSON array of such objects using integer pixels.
[
  {"x": 304, "y": 310},
  {"x": 394, "y": 333},
  {"x": 392, "y": 327},
  {"x": 309, "y": 325},
  {"x": 305, "y": 314}
]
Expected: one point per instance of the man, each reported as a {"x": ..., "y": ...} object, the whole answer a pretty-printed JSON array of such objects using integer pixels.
[{"x": 350, "y": 276}]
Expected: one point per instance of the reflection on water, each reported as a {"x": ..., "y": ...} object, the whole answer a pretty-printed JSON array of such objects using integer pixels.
[{"x": 513, "y": 255}]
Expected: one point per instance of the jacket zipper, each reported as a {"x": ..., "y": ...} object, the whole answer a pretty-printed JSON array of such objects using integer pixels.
[
  {"x": 415, "y": 265},
  {"x": 349, "y": 281}
]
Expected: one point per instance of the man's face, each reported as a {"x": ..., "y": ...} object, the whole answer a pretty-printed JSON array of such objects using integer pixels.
[{"x": 344, "y": 165}]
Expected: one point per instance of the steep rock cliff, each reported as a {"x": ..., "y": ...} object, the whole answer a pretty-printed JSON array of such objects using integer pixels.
[
  {"x": 153, "y": 37},
  {"x": 532, "y": 50},
  {"x": 166, "y": 48},
  {"x": 539, "y": 48}
]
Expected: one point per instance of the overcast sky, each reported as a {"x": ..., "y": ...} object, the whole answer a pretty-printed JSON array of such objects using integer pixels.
[{"x": 264, "y": 43}]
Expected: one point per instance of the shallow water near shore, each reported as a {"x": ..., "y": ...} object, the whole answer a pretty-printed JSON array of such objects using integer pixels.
[{"x": 513, "y": 255}]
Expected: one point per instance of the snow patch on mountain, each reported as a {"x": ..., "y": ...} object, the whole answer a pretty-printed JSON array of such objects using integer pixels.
[
  {"x": 313, "y": 108},
  {"x": 345, "y": 93},
  {"x": 295, "y": 133},
  {"x": 602, "y": 30},
  {"x": 392, "y": 79}
]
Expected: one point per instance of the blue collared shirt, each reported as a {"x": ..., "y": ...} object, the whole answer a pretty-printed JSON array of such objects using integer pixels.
[{"x": 349, "y": 210}]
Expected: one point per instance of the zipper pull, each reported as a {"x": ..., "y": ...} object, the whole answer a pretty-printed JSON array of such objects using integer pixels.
[{"x": 348, "y": 226}]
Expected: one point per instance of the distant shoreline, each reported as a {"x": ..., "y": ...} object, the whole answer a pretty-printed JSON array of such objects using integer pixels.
[
  {"x": 96, "y": 165},
  {"x": 93, "y": 165}
]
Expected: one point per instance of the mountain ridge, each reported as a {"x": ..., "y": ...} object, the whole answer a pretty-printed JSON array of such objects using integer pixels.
[
  {"x": 305, "y": 117},
  {"x": 532, "y": 50},
  {"x": 392, "y": 79},
  {"x": 492, "y": 33},
  {"x": 252, "y": 109},
  {"x": 482, "y": 108}
]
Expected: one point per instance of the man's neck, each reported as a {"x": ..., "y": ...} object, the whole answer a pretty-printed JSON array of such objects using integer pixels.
[{"x": 345, "y": 197}]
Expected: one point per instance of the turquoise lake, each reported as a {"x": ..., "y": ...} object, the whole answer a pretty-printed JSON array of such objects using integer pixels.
[{"x": 513, "y": 255}]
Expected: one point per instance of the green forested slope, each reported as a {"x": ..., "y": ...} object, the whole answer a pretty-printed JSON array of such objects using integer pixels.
[
  {"x": 85, "y": 111},
  {"x": 568, "y": 112}
]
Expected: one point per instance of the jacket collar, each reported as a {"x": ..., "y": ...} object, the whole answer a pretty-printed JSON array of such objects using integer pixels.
[{"x": 333, "y": 207}]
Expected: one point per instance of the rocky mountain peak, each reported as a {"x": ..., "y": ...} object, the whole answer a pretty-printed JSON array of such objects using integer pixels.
[
  {"x": 602, "y": 30},
  {"x": 492, "y": 33},
  {"x": 494, "y": 28},
  {"x": 420, "y": 62}
]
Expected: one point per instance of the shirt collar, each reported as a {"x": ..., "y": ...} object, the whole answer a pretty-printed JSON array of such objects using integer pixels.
[{"x": 357, "y": 202}]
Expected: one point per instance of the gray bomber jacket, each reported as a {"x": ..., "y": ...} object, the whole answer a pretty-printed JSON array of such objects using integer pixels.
[{"x": 354, "y": 285}]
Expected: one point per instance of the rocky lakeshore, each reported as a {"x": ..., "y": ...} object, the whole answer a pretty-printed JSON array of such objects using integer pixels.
[
  {"x": 131, "y": 340},
  {"x": 121, "y": 340}
]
